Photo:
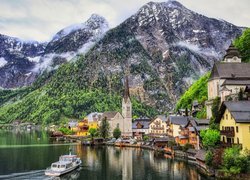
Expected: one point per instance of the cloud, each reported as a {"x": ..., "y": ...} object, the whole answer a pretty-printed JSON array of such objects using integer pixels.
[{"x": 41, "y": 19}]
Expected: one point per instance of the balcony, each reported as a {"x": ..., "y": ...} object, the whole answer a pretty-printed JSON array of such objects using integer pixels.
[
  {"x": 228, "y": 145},
  {"x": 227, "y": 133},
  {"x": 157, "y": 128}
]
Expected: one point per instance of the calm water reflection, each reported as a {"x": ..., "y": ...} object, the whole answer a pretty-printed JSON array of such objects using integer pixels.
[{"x": 29, "y": 162}]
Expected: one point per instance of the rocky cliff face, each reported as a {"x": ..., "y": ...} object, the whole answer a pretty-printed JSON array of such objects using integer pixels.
[{"x": 22, "y": 62}]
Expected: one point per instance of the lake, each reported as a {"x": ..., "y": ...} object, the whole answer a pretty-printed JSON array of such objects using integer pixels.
[{"x": 25, "y": 155}]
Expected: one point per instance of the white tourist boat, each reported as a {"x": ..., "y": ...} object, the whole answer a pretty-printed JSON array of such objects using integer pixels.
[{"x": 66, "y": 164}]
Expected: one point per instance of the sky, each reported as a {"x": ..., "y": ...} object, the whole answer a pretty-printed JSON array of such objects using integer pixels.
[{"x": 41, "y": 19}]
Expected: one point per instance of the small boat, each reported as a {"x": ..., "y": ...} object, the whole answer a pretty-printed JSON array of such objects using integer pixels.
[{"x": 66, "y": 164}]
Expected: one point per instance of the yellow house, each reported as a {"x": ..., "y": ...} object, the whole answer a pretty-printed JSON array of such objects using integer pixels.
[
  {"x": 234, "y": 119},
  {"x": 174, "y": 123},
  {"x": 158, "y": 126},
  {"x": 91, "y": 121}
]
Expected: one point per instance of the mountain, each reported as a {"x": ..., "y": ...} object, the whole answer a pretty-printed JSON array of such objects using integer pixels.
[
  {"x": 163, "y": 48},
  {"x": 22, "y": 62}
]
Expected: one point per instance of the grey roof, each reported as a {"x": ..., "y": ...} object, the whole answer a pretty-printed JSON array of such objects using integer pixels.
[
  {"x": 162, "y": 117},
  {"x": 191, "y": 151},
  {"x": 144, "y": 122},
  {"x": 109, "y": 114},
  {"x": 236, "y": 82},
  {"x": 232, "y": 51},
  {"x": 240, "y": 110},
  {"x": 228, "y": 70},
  {"x": 199, "y": 128},
  {"x": 202, "y": 121},
  {"x": 201, "y": 154},
  {"x": 180, "y": 120},
  {"x": 195, "y": 103}
]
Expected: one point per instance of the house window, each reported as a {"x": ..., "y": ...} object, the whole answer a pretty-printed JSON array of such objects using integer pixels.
[
  {"x": 237, "y": 129},
  {"x": 223, "y": 139},
  {"x": 238, "y": 141},
  {"x": 226, "y": 116},
  {"x": 222, "y": 127}
]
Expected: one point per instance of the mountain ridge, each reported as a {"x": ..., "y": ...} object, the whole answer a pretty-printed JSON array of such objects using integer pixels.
[{"x": 163, "y": 53}]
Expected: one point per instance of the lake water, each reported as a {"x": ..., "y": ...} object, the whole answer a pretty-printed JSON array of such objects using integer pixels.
[{"x": 25, "y": 155}]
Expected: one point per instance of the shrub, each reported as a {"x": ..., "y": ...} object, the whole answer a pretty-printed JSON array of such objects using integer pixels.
[
  {"x": 116, "y": 133},
  {"x": 66, "y": 131}
]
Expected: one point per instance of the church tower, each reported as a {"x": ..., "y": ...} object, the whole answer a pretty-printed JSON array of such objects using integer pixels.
[
  {"x": 126, "y": 110},
  {"x": 232, "y": 55}
]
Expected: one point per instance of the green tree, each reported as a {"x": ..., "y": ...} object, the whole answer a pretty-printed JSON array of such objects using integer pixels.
[
  {"x": 104, "y": 128},
  {"x": 117, "y": 133},
  {"x": 209, "y": 158},
  {"x": 210, "y": 138},
  {"x": 234, "y": 162},
  {"x": 92, "y": 132},
  {"x": 243, "y": 44},
  {"x": 240, "y": 95}
]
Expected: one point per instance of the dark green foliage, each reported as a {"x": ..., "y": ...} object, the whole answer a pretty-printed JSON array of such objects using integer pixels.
[
  {"x": 240, "y": 95},
  {"x": 215, "y": 107},
  {"x": 117, "y": 133},
  {"x": 104, "y": 128},
  {"x": 243, "y": 44},
  {"x": 67, "y": 94},
  {"x": 234, "y": 162},
  {"x": 215, "y": 113},
  {"x": 198, "y": 91},
  {"x": 145, "y": 138},
  {"x": 209, "y": 158}
]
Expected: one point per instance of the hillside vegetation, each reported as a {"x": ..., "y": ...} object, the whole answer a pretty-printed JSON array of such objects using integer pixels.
[
  {"x": 64, "y": 96},
  {"x": 243, "y": 44},
  {"x": 198, "y": 91}
]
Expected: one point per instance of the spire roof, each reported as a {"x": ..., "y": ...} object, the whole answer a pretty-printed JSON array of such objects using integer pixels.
[
  {"x": 126, "y": 89},
  {"x": 232, "y": 51}
]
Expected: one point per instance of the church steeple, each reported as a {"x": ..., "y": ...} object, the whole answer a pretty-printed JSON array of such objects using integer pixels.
[
  {"x": 126, "y": 95},
  {"x": 232, "y": 54}
]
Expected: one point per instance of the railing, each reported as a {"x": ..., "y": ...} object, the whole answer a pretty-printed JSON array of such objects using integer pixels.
[
  {"x": 227, "y": 145},
  {"x": 157, "y": 128},
  {"x": 228, "y": 133}
]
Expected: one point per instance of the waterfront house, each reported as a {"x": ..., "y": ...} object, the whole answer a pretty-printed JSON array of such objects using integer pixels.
[
  {"x": 82, "y": 128},
  {"x": 227, "y": 78},
  {"x": 160, "y": 143},
  {"x": 174, "y": 123},
  {"x": 140, "y": 127},
  {"x": 190, "y": 133},
  {"x": 234, "y": 120},
  {"x": 158, "y": 126}
]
